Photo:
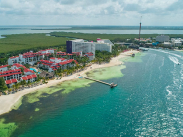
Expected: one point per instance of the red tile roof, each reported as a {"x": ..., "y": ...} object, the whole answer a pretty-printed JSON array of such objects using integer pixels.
[
  {"x": 10, "y": 71},
  {"x": 61, "y": 53},
  {"x": 28, "y": 70},
  {"x": 29, "y": 77},
  {"x": 6, "y": 75},
  {"x": 69, "y": 54},
  {"x": 11, "y": 81},
  {"x": 19, "y": 65},
  {"x": 14, "y": 57},
  {"x": 89, "y": 54},
  {"x": 3, "y": 66},
  {"x": 46, "y": 61}
]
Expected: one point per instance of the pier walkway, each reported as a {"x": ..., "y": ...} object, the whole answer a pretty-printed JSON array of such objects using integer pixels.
[{"x": 111, "y": 85}]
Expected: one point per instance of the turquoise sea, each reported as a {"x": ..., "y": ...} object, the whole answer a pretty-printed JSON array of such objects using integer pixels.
[{"x": 148, "y": 101}]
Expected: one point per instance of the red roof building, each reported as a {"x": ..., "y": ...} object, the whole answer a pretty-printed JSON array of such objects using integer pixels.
[
  {"x": 3, "y": 66},
  {"x": 28, "y": 70},
  {"x": 29, "y": 77},
  {"x": 11, "y": 74},
  {"x": 11, "y": 81},
  {"x": 19, "y": 65}
]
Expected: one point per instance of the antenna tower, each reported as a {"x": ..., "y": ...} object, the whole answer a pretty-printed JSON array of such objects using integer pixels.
[{"x": 140, "y": 28}]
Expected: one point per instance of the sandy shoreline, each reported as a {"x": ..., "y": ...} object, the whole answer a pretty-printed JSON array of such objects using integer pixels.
[{"x": 7, "y": 101}]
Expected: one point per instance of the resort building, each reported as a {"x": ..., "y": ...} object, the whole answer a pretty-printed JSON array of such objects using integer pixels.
[
  {"x": 177, "y": 42},
  {"x": 17, "y": 66},
  {"x": 143, "y": 40},
  {"x": 162, "y": 38},
  {"x": 28, "y": 72},
  {"x": 60, "y": 53},
  {"x": 57, "y": 60},
  {"x": 4, "y": 68},
  {"x": 89, "y": 55},
  {"x": 46, "y": 51},
  {"x": 11, "y": 74},
  {"x": 69, "y": 55},
  {"x": 79, "y": 45},
  {"x": 30, "y": 57},
  {"x": 104, "y": 45},
  {"x": 55, "y": 63},
  {"x": 30, "y": 78},
  {"x": 167, "y": 44},
  {"x": 11, "y": 82},
  {"x": 15, "y": 75}
]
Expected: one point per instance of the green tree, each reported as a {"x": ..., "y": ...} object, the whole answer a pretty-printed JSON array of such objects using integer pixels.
[
  {"x": 27, "y": 65},
  {"x": 3, "y": 85},
  {"x": 23, "y": 82},
  {"x": 22, "y": 70}
]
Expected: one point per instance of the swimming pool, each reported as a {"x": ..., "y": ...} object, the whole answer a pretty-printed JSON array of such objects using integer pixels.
[{"x": 33, "y": 69}]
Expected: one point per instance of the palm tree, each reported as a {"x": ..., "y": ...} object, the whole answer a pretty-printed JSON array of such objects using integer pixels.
[
  {"x": 28, "y": 83},
  {"x": 16, "y": 86},
  {"x": 13, "y": 87},
  {"x": 10, "y": 90}
]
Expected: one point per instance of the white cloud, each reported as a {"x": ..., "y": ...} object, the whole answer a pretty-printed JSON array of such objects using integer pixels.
[{"x": 93, "y": 12}]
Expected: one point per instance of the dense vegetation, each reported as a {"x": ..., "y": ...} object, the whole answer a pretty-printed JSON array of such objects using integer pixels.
[
  {"x": 104, "y": 56},
  {"x": 14, "y": 45},
  {"x": 29, "y": 42},
  {"x": 112, "y": 37},
  {"x": 3, "y": 86}
]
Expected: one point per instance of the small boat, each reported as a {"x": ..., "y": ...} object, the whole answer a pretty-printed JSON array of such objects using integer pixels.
[{"x": 133, "y": 55}]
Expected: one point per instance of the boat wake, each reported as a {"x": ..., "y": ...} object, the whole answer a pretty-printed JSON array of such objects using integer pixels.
[
  {"x": 167, "y": 122},
  {"x": 174, "y": 59}
]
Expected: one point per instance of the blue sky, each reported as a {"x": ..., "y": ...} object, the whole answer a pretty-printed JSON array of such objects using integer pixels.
[{"x": 91, "y": 12}]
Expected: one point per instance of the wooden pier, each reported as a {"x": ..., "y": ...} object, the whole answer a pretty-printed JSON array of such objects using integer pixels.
[{"x": 111, "y": 85}]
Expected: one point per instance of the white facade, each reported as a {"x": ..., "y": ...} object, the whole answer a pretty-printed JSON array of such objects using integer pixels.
[
  {"x": 177, "y": 42},
  {"x": 162, "y": 38},
  {"x": 51, "y": 51},
  {"x": 103, "y": 47},
  {"x": 30, "y": 57},
  {"x": 13, "y": 60},
  {"x": 3, "y": 68},
  {"x": 167, "y": 44},
  {"x": 79, "y": 45},
  {"x": 23, "y": 60},
  {"x": 58, "y": 60}
]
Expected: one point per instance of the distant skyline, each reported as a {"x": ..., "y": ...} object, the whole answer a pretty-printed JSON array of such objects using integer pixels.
[{"x": 94, "y": 12}]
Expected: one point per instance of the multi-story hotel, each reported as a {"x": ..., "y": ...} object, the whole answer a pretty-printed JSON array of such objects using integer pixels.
[
  {"x": 30, "y": 57},
  {"x": 15, "y": 75},
  {"x": 11, "y": 76},
  {"x": 3, "y": 68},
  {"x": 104, "y": 45},
  {"x": 55, "y": 63},
  {"x": 79, "y": 45}
]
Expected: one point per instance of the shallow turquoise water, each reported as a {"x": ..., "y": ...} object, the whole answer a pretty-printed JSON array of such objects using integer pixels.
[{"x": 148, "y": 101}]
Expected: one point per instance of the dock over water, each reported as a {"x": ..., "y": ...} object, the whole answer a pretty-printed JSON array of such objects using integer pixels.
[{"x": 111, "y": 85}]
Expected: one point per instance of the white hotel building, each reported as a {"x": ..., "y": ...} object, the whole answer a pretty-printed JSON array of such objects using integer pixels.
[
  {"x": 30, "y": 57},
  {"x": 79, "y": 45},
  {"x": 104, "y": 45}
]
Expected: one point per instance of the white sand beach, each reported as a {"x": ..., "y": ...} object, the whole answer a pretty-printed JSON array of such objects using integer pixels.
[{"x": 8, "y": 101}]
